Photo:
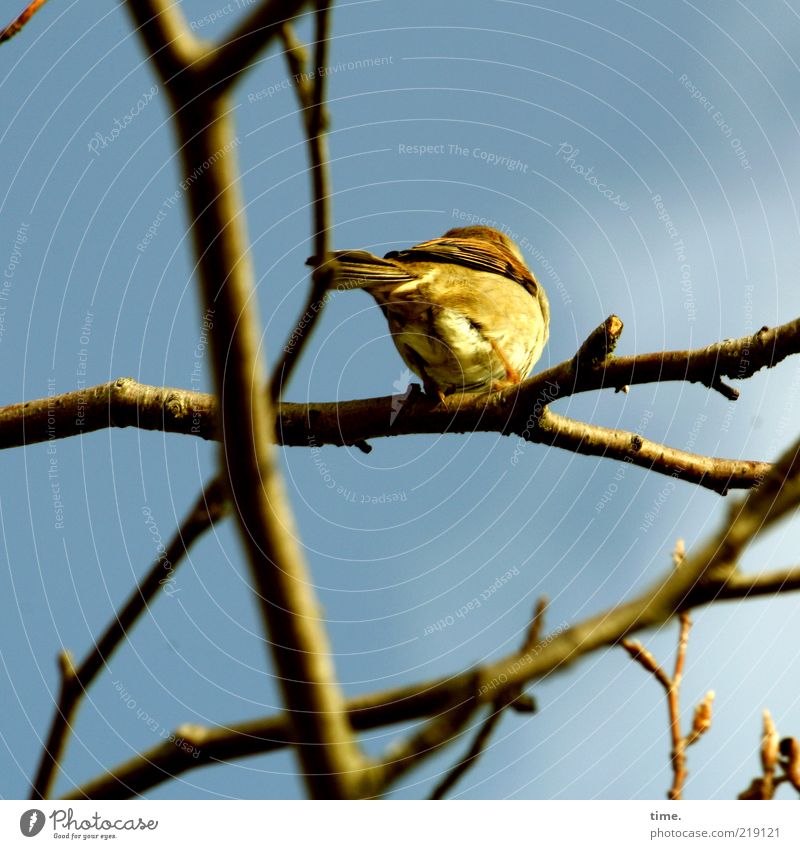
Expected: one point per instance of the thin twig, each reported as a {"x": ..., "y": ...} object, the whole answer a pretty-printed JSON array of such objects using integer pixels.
[
  {"x": 647, "y": 661},
  {"x": 679, "y": 741},
  {"x": 474, "y": 752},
  {"x": 672, "y": 688},
  {"x": 225, "y": 63},
  {"x": 404, "y": 755},
  {"x": 600, "y": 344},
  {"x": 16, "y": 25},
  {"x": 75, "y": 681},
  {"x": 508, "y": 699},
  {"x": 311, "y": 93}
]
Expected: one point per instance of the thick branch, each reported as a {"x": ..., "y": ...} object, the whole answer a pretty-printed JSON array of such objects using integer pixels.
[
  {"x": 169, "y": 40},
  {"x": 329, "y": 756},
  {"x": 125, "y": 403},
  {"x": 522, "y": 411}
]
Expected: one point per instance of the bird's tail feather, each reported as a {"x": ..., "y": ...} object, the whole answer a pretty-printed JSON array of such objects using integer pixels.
[{"x": 363, "y": 270}]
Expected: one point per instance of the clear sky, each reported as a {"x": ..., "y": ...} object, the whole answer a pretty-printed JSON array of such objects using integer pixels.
[{"x": 687, "y": 115}]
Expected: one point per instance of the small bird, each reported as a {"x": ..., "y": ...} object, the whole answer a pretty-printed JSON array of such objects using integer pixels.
[{"x": 465, "y": 312}]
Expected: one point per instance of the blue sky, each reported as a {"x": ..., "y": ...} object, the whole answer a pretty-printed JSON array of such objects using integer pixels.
[{"x": 687, "y": 115}]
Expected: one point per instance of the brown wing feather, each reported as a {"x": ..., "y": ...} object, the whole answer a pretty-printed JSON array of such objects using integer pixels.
[{"x": 479, "y": 254}]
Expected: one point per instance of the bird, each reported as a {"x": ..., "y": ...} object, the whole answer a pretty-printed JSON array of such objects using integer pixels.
[{"x": 465, "y": 312}]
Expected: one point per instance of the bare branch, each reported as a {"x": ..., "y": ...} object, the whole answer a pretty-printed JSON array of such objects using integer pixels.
[
  {"x": 253, "y": 737},
  {"x": 434, "y": 734},
  {"x": 671, "y": 685},
  {"x": 523, "y": 411},
  {"x": 715, "y": 473},
  {"x": 297, "y": 60},
  {"x": 18, "y": 23},
  {"x": 75, "y": 681},
  {"x": 376, "y": 710},
  {"x": 790, "y": 752},
  {"x": 225, "y": 63},
  {"x": 737, "y": 359},
  {"x": 119, "y": 403},
  {"x": 474, "y": 752},
  {"x": 329, "y": 756},
  {"x": 169, "y": 40},
  {"x": 600, "y": 344},
  {"x": 647, "y": 661},
  {"x": 510, "y": 698},
  {"x": 311, "y": 94},
  {"x": 126, "y": 403},
  {"x": 763, "y": 787},
  {"x": 741, "y": 586}
]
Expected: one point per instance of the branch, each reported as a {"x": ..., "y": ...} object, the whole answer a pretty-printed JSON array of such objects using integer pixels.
[
  {"x": 774, "y": 753},
  {"x": 227, "y": 742},
  {"x": 126, "y": 403},
  {"x": 509, "y": 699},
  {"x": 474, "y": 752},
  {"x": 714, "y": 473},
  {"x": 790, "y": 761},
  {"x": 432, "y": 736},
  {"x": 740, "y": 586},
  {"x": 522, "y": 410},
  {"x": 330, "y": 759},
  {"x": 224, "y": 64},
  {"x": 16, "y": 25},
  {"x": 311, "y": 93},
  {"x": 75, "y": 681},
  {"x": 702, "y": 579},
  {"x": 737, "y": 359},
  {"x": 261, "y": 736},
  {"x": 119, "y": 403},
  {"x": 672, "y": 688},
  {"x": 169, "y": 40}
]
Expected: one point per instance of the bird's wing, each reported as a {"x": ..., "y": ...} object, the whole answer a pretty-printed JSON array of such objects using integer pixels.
[
  {"x": 472, "y": 253},
  {"x": 361, "y": 269}
]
